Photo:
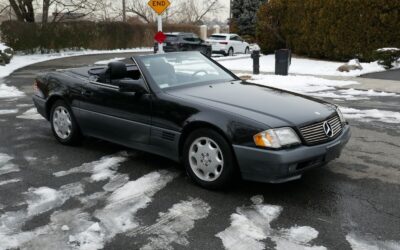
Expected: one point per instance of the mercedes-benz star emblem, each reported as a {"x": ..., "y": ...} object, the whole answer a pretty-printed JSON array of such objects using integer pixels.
[{"x": 328, "y": 129}]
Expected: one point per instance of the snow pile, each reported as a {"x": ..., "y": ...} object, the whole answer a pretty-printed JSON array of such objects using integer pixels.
[
  {"x": 251, "y": 226},
  {"x": 369, "y": 115},
  {"x": 301, "y": 66},
  {"x": 387, "y": 49},
  {"x": 105, "y": 62},
  {"x": 3, "y": 47}
]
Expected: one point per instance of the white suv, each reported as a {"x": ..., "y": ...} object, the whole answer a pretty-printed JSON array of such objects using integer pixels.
[{"x": 228, "y": 44}]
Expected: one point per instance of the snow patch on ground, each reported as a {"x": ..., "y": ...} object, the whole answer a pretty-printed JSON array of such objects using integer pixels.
[
  {"x": 358, "y": 243},
  {"x": 43, "y": 199},
  {"x": 8, "y": 111},
  {"x": 103, "y": 169},
  {"x": 370, "y": 115},
  {"x": 317, "y": 87},
  {"x": 6, "y": 166},
  {"x": 251, "y": 226},
  {"x": 353, "y": 94},
  {"x": 31, "y": 114},
  {"x": 301, "y": 66},
  {"x": 3, "y": 183},
  {"x": 9, "y": 91},
  {"x": 39, "y": 200},
  {"x": 106, "y": 62},
  {"x": 299, "y": 84},
  {"x": 118, "y": 215},
  {"x": 173, "y": 226}
]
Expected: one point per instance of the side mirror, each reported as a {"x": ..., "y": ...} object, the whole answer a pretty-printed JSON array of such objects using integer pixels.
[{"x": 137, "y": 86}]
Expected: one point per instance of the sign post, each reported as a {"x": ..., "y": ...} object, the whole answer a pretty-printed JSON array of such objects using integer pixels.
[{"x": 159, "y": 6}]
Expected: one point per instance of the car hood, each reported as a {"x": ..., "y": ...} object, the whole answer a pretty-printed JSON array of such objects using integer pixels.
[{"x": 270, "y": 106}]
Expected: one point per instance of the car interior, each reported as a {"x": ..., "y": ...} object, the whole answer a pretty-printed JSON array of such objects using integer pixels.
[{"x": 114, "y": 72}]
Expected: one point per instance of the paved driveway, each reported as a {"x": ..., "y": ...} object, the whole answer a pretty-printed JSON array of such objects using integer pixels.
[
  {"x": 101, "y": 195},
  {"x": 393, "y": 75}
]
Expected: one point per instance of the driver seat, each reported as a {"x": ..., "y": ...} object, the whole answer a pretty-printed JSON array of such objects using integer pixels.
[{"x": 162, "y": 72}]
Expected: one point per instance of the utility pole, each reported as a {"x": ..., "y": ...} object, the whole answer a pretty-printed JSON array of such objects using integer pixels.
[
  {"x": 123, "y": 10},
  {"x": 230, "y": 15}
]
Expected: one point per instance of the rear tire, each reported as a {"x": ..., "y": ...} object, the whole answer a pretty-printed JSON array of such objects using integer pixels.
[
  {"x": 247, "y": 50},
  {"x": 231, "y": 52},
  {"x": 64, "y": 125},
  {"x": 208, "y": 159}
]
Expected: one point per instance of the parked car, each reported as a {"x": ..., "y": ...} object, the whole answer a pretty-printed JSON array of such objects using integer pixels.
[
  {"x": 228, "y": 44},
  {"x": 180, "y": 41},
  {"x": 6, "y": 54},
  {"x": 187, "y": 107}
]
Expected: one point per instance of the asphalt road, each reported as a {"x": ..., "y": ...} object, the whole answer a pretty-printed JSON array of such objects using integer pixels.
[
  {"x": 387, "y": 75},
  {"x": 353, "y": 200}
]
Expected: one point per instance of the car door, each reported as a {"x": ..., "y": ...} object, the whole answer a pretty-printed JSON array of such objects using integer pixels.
[
  {"x": 115, "y": 116},
  {"x": 234, "y": 43}
]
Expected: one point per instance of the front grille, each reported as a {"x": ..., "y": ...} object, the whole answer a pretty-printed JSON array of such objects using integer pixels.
[{"x": 315, "y": 133}]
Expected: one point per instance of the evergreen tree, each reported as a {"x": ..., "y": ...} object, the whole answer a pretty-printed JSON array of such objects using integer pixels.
[{"x": 244, "y": 16}]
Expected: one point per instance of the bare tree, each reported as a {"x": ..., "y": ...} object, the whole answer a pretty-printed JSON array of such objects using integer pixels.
[
  {"x": 188, "y": 11},
  {"x": 142, "y": 10},
  {"x": 194, "y": 11},
  {"x": 65, "y": 9},
  {"x": 23, "y": 10},
  {"x": 4, "y": 7}
]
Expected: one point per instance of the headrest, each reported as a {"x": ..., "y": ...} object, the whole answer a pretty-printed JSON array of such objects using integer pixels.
[{"x": 117, "y": 70}]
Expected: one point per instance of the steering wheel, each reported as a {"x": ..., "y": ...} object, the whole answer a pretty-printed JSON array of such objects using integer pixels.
[{"x": 200, "y": 71}]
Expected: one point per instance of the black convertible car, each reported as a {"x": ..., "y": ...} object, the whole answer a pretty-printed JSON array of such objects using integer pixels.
[{"x": 187, "y": 107}]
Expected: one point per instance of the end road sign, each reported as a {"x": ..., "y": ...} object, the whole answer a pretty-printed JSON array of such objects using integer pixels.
[{"x": 159, "y": 6}]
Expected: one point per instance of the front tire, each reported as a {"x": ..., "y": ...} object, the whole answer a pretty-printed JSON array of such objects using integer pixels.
[
  {"x": 208, "y": 159},
  {"x": 64, "y": 125},
  {"x": 247, "y": 50}
]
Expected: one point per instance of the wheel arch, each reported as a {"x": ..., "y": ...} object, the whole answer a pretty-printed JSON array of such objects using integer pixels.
[
  {"x": 195, "y": 125},
  {"x": 49, "y": 103}
]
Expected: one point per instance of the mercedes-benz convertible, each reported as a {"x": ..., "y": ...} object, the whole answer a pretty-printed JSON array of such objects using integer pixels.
[{"x": 187, "y": 107}]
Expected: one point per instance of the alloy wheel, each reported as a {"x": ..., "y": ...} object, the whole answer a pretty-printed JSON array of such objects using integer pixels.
[
  {"x": 62, "y": 122},
  {"x": 206, "y": 159}
]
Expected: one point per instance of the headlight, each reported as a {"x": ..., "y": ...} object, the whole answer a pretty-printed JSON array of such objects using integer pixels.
[
  {"x": 342, "y": 119},
  {"x": 276, "y": 138}
]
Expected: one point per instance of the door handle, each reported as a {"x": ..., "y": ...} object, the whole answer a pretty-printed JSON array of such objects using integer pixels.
[{"x": 87, "y": 93}]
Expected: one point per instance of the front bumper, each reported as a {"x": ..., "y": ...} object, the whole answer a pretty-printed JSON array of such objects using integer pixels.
[{"x": 286, "y": 165}]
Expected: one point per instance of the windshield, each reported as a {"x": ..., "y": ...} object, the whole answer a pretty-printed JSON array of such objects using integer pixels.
[
  {"x": 214, "y": 37},
  {"x": 177, "y": 69},
  {"x": 171, "y": 38}
]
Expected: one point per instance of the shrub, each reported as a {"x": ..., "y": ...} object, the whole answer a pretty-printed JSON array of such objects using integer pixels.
[
  {"x": 33, "y": 37},
  {"x": 329, "y": 29},
  {"x": 388, "y": 58}
]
